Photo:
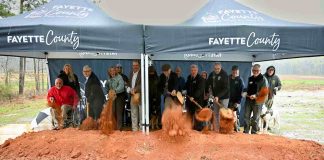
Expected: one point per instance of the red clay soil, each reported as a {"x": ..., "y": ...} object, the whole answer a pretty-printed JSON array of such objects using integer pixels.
[
  {"x": 76, "y": 144},
  {"x": 89, "y": 124}
]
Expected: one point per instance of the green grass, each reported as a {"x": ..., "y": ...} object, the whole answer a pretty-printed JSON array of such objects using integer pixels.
[
  {"x": 303, "y": 120},
  {"x": 20, "y": 112},
  {"x": 302, "y": 84}
]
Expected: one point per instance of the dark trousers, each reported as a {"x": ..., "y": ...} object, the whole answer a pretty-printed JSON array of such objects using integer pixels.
[
  {"x": 118, "y": 109},
  {"x": 251, "y": 106},
  {"x": 96, "y": 108}
]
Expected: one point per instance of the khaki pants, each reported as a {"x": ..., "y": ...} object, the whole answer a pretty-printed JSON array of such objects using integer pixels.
[{"x": 61, "y": 117}]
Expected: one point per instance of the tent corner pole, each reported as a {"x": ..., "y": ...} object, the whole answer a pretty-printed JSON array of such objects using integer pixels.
[
  {"x": 146, "y": 61},
  {"x": 142, "y": 107},
  {"x": 48, "y": 71}
]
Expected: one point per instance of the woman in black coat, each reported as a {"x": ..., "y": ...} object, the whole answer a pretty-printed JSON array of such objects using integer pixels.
[{"x": 70, "y": 79}]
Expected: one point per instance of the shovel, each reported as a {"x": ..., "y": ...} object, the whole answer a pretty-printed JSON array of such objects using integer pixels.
[{"x": 203, "y": 114}]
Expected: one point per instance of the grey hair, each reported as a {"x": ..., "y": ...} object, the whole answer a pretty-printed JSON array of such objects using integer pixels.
[
  {"x": 87, "y": 67},
  {"x": 193, "y": 66},
  {"x": 58, "y": 79},
  {"x": 257, "y": 66},
  {"x": 217, "y": 63},
  {"x": 178, "y": 67}
]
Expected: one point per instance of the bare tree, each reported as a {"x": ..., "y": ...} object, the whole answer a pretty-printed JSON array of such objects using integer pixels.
[
  {"x": 22, "y": 67},
  {"x": 38, "y": 77},
  {"x": 4, "y": 65},
  {"x": 26, "y": 5},
  {"x": 43, "y": 88},
  {"x": 6, "y": 70},
  {"x": 36, "y": 74}
]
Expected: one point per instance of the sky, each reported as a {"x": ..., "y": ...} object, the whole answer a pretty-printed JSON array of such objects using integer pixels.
[{"x": 167, "y": 12}]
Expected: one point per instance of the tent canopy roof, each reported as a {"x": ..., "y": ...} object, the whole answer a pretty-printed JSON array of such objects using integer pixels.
[
  {"x": 69, "y": 26},
  {"x": 224, "y": 30}
]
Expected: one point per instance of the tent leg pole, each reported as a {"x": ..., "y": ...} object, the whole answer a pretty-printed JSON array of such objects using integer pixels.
[
  {"x": 146, "y": 61},
  {"x": 142, "y": 94},
  {"x": 48, "y": 72}
]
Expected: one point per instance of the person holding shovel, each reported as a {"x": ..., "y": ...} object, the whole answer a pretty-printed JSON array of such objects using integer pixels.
[
  {"x": 61, "y": 99},
  {"x": 256, "y": 95},
  {"x": 116, "y": 83},
  {"x": 93, "y": 92},
  {"x": 134, "y": 89},
  {"x": 218, "y": 87},
  {"x": 168, "y": 84},
  {"x": 195, "y": 86}
]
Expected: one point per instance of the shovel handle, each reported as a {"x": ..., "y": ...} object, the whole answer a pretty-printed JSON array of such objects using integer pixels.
[
  {"x": 193, "y": 101},
  {"x": 220, "y": 105},
  {"x": 88, "y": 109}
]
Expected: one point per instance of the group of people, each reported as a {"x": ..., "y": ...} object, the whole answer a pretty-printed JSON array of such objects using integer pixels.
[{"x": 226, "y": 89}]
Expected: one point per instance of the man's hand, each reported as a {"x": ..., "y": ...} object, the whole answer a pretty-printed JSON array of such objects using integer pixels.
[
  {"x": 128, "y": 89},
  {"x": 253, "y": 96},
  {"x": 174, "y": 93},
  {"x": 191, "y": 99},
  {"x": 275, "y": 88},
  {"x": 244, "y": 94},
  {"x": 51, "y": 99},
  {"x": 132, "y": 91},
  {"x": 215, "y": 99}
]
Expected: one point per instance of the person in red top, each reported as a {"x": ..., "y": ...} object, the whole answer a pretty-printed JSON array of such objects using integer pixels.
[{"x": 62, "y": 99}]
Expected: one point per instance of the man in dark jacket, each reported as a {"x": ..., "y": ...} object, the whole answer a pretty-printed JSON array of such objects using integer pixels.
[
  {"x": 236, "y": 89},
  {"x": 168, "y": 84},
  {"x": 274, "y": 85},
  {"x": 217, "y": 84},
  {"x": 93, "y": 92},
  {"x": 154, "y": 97},
  {"x": 257, "y": 92},
  {"x": 181, "y": 80},
  {"x": 195, "y": 86}
]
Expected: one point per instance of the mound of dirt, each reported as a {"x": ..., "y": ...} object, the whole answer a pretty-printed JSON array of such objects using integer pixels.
[
  {"x": 89, "y": 124},
  {"x": 73, "y": 143}
]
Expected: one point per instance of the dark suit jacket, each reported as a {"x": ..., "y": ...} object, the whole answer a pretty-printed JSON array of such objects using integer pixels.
[
  {"x": 195, "y": 88},
  {"x": 94, "y": 92},
  {"x": 172, "y": 82},
  {"x": 137, "y": 82}
]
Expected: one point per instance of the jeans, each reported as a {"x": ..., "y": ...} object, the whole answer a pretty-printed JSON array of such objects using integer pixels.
[
  {"x": 251, "y": 106},
  {"x": 216, "y": 108}
]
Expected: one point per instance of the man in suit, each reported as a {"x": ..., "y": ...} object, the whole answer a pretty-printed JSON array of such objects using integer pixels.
[
  {"x": 257, "y": 94},
  {"x": 93, "y": 92},
  {"x": 135, "y": 88},
  {"x": 195, "y": 86},
  {"x": 217, "y": 83},
  {"x": 168, "y": 84}
]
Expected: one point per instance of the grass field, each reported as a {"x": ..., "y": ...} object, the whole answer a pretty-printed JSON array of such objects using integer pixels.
[
  {"x": 301, "y": 114},
  {"x": 294, "y": 82},
  {"x": 20, "y": 111}
]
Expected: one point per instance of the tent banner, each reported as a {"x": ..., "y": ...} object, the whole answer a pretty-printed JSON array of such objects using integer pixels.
[{"x": 70, "y": 39}]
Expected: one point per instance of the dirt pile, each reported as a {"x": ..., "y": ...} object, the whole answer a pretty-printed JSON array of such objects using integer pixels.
[
  {"x": 107, "y": 121},
  {"x": 89, "y": 124},
  {"x": 226, "y": 120},
  {"x": 72, "y": 143},
  {"x": 174, "y": 122}
]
